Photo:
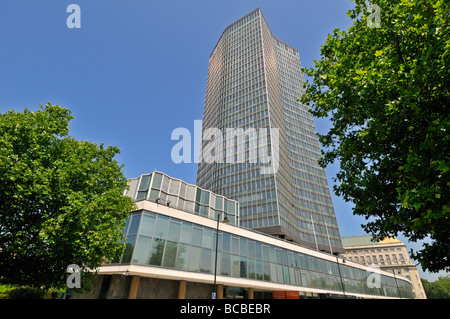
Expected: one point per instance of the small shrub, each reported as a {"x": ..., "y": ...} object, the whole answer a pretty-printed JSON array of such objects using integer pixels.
[{"x": 26, "y": 293}]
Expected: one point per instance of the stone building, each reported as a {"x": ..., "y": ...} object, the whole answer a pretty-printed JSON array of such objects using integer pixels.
[{"x": 389, "y": 254}]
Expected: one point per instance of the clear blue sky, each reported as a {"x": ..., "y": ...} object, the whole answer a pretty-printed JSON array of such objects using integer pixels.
[{"x": 137, "y": 69}]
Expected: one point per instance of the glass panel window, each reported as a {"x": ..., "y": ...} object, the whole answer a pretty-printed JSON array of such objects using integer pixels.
[
  {"x": 279, "y": 260},
  {"x": 230, "y": 206},
  {"x": 198, "y": 195},
  {"x": 243, "y": 246},
  {"x": 186, "y": 230},
  {"x": 219, "y": 203},
  {"x": 273, "y": 272},
  {"x": 162, "y": 223},
  {"x": 157, "y": 181},
  {"x": 205, "y": 265},
  {"x": 266, "y": 271},
  {"x": 154, "y": 194},
  {"x": 235, "y": 266},
  {"x": 235, "y": 245},
  {"x": 279, "y": 273},
  {"x": 205, "y": 198},
  {"x": 226, "y": 270},
  {"x": 182, "y": 257},
  {"x": 265, "y": 252},
  {"x": 197, "y": 208},
  {"x": 141, "y": 195},
  {"x": 226, "y": 206},
  {"x": 286, "y": 278},
  {"x": 174, "y": 231},
  {"x": 147, "y": 225},
  {"x": 142, "y": 250},
  {"x": 134, "y": 224},
  {"x": 156, "y": 252},
  {"x": 305, "y": 262},
  {"x": 290, "y": 256},
  {"x": 226, "y": 242},
  {"x": 197, "y": 236},
  {"x": 170, "y": 254},
  {"x": 145, "y": 181},
  {"x": 284, "y": 256},
  {"x": 311, "y": 263},
  {"x": 306, "y": 278},
  {"x": 251, "y": 249},
  {"x": 258, "y": 250},
  {"x": 129, "y": 246},
  {"x": 292, "y": 276},
  {"x": 251, "y": 268},
  {"x": 194, "y": 259},
  {"x": 207, "y": 238},
  {"x": 272, "y": 254},
  {"x": 204, "y": 210}
]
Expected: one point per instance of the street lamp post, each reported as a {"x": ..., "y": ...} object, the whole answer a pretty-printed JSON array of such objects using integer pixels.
[{"x": 226, "y": 221}]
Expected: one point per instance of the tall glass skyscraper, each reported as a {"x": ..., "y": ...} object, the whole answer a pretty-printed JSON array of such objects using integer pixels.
[{"x": 254, "y": 81}]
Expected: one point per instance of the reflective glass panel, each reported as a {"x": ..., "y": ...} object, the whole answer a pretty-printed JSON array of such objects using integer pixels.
[
  {"x": 162, "y": 224},
  {"x": 194, "y": 259},
  {"x": 225, "y": 266},
  {"x": 235, "y": 245},
  {"x": 147, "y": 226},
  {"x": 129, "y": 246},
  {"x": 142, "y": 250},
  {"x": 170, "y": 254},
  {"x": 182, "y": 257},
  {"x": 145, "y": 181},
  {"x": 186, "y": 230},
  {"x": 243, "y": 246},
  {"x": 174, "y": 231},
  {"x": 157, "y": 181},
  {"x": 134, "y": 224},
  {"x": 205, "y": 265},
  {"x": 226, "y": 242},
  {"x": 156, "y": 252},
  {"x": 197, "y": 236},
  {"x": 207, "y": 238}
]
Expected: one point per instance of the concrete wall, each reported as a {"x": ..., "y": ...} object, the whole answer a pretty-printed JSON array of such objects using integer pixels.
[
  {"x": 148, "y": 288},
  {"x": 152, "y": 288},
  {"x": 198, "y": 291},
  {"x": 119, "y": 287}
]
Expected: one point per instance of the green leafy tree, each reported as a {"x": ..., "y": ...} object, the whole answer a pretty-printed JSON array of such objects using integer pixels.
[
  {"x": 385, "y": 90},
  {"x": 61, "y": 200},
  {"x": 439, "y": 289}
]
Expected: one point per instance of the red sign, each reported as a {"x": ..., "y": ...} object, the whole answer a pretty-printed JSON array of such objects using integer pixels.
[
  {"x": 280, "y": 294},
  {"x": 292, "y": 295},
  {"x": 277, "y": 294}
]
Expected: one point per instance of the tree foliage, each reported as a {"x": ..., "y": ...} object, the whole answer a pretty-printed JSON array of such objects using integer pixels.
[
  {"x": 61, "y": 200},
  {"x": 386, "y": 92},
  {"x": 439, "y": 289}
]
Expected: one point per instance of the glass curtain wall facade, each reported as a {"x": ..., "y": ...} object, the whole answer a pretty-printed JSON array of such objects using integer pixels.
[
  {"x": 157, "y": 240},
  {"x": 254, "y": 81},
  {"x": 163, "y": 189}
]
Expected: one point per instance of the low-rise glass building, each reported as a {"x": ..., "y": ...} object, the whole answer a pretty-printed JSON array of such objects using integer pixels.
[{"x": 171, "y": 253}]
